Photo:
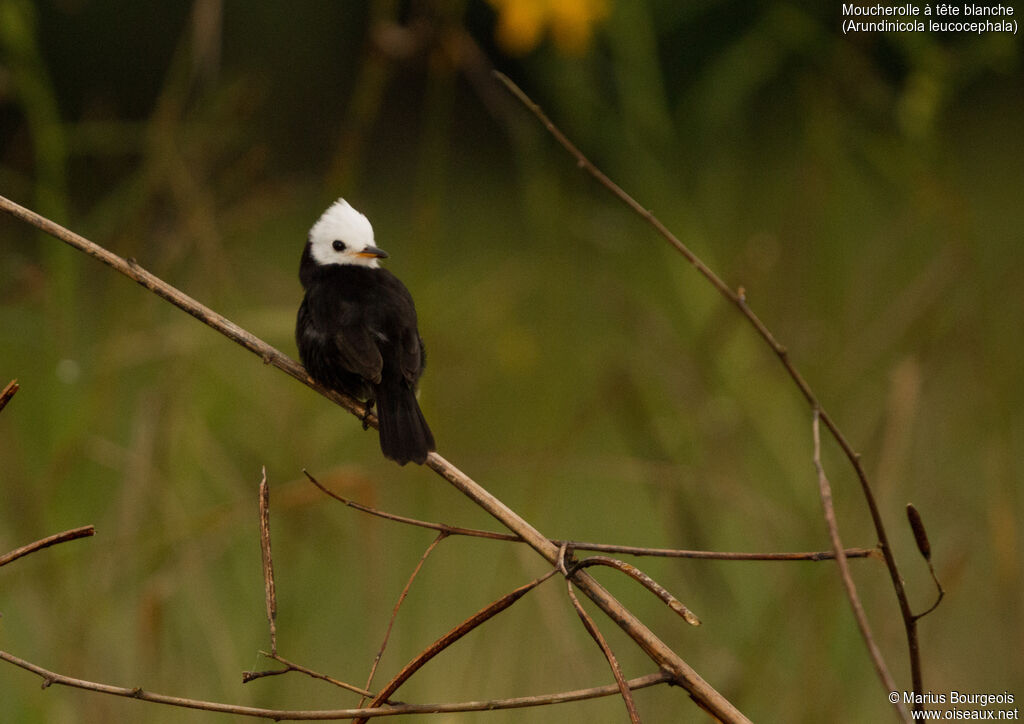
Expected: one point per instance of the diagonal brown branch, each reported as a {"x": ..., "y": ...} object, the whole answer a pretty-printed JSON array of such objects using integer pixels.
[
  {"x": 595, "y": 633},
  {"x": 702, "y": 692},
  {"x": 9, "y": 392}
]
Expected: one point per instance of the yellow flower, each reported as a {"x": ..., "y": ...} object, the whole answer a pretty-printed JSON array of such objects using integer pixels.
[{"x": 521, "y": 23}]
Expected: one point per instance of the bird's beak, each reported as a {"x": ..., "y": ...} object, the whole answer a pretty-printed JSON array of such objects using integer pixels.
[{"x": 372, "y": 252}]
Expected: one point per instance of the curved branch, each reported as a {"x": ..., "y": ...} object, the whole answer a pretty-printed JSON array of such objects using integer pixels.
[
  {"x": 50, "y": 678},
  {"x": 84, "y": 532},
  {"x": 646, "y": 581}
]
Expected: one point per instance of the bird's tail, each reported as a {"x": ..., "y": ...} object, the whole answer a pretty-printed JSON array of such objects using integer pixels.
[{"x": 404, "y": 433}]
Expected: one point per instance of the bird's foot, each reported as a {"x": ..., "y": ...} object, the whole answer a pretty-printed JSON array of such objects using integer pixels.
[{"x": 365, "y": 419}]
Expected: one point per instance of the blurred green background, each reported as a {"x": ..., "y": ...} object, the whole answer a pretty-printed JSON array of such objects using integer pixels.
[{"x": 866, "y": 190}]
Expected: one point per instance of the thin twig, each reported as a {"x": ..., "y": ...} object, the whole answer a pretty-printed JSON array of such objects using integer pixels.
[
  {"x": 268, "y": 561},
  {"x": 84, "y": 532},
  {"x": 659, "y": 652},
  {"x": 394, "y": 612},
  {"x": 290, "y": 666},
  {"x": 940, "y": 594},
  {"x": 595, "y": 633},
  {"x": 601, "y": 547},
  {"x": 925, "y": 548},
  {"x": 644, "y": 580},
  {"x": 50, "y": 678},
  {"x": 248, "y": 676},
  {"x": 5, "y": 396},
  {"x": 739, "y": 299},
  {"x": 482, "y": 616},
  {"x": 719, "y": 555},
  {"x": 825, "y": 491},
  {"x": 441, "y": 527}
]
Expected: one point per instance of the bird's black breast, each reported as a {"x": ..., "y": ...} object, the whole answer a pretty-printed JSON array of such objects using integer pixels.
[{"x": 356, "y": 327}]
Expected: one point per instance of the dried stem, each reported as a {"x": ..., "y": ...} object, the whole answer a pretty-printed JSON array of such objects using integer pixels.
[
  {"x": 398, "y": 604},
  {"x": 825, "y": 491},
  {"x": 739, "y": 300},
  {"x": 5, "y": 396},
  {"x": 480, "y": 617},
  {"x": 441, "y": 527},
  {"x": 290, "y": 666},
  {"x": 602, "y": 547},
  {"x": 50, "y": 678},
  {"x": 940, "y": 594},
  {"x": 719, "y": 555},
  {"x": 595, "y": 633},
  {"x": 268, "y": 561},
  {"x": 84, "y": 532},
  {"x": 925, "y": 547},
  {"x": 663, "y": 655},
  {"x": 644, "y": 580}
]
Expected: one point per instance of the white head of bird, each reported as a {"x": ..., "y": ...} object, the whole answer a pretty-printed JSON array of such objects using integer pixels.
[{"x": 343, "y": 236}]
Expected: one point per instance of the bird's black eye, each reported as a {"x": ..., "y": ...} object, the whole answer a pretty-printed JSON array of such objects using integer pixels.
[{"x": 339, "y": 245}]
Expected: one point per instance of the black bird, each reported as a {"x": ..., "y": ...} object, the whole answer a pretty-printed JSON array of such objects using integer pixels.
[{"x": 356, "y": 329}]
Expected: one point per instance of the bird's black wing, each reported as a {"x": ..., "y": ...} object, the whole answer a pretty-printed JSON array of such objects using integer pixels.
[
  {"x": 401, "y": 313},
  {"x": 358, "y": 351},
  {"x": 342, "y": 321},
  {"x": 411, "y": 355}
]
